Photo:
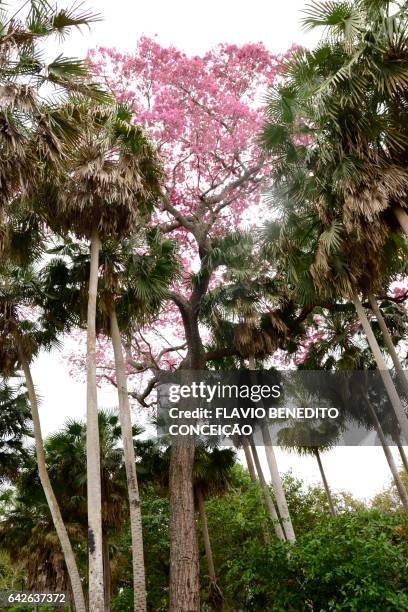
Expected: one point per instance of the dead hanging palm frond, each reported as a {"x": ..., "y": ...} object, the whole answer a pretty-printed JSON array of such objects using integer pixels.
[
  {"x": 31, "y": 134},
  {"x": 376, "y": 190},
  {"x": 113, "y": 178}
]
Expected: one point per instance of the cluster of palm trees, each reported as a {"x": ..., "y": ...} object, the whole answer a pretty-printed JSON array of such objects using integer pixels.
[{"x": 79, "y": 184}]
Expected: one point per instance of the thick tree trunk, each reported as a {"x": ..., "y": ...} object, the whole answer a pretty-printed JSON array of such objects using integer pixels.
[
  {"x": 93, "y": 465},
  {"x": 277, "y": 486},
  {"x": 402, "y": 455},
  {"x": 184, "y": 567},
  {"x": 68, "y": 553},
  {"x": 382, "y": 367},
  {"x": 402, "y": 218},
  {"x": 268, "y": 499},
  {"x": 388, "y": 455},
  {"x": 139, "y": 583},
  {"x": 184, "y": 563},
  {"x": 107, "y": 579},
  {"x": 215, "y": 595},
  {"x": 325, "y": 483},
  {"x": 389, "y": 343}
]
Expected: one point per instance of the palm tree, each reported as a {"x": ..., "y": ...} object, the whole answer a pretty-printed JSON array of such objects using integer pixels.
[
  {"x": 131, "y": 288},
  {"x": 21, "y": 339},
  {"x": 14, "y": 427},
  {"x": 25, "y": 532},
  {"x": 291, "y": 437},
  {"x": 341, "y": 349},
  {"x": 109, "y": 189},
  {"x": 335, "y": 126},
  {"x": 66, "y": 455},
  {"x": 32, "y": 129}
]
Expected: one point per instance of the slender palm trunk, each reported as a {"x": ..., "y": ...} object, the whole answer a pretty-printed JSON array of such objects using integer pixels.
[
  {"x": 206, "y": 535},
  {"x": 215, "y": 595},
  {"x": 249, "y": 461},
  {"x": 402, "y": 218},
  {"x": 139, "y": 583},
  {"x": 275, "y": 478},
  {"x": 325, "y": 483},
  {"x": 184, "y": 568},
  {"x": 403, "y": 456},
  {"x": 268, "y": 499},
  {"x": 68, "y": 553},
  {"x": 252, "y": 475},
  {"x": 93, "y": 464},
  {"x": 277, "y": 486},
  {"x": 107, "y": 578},
  {"x": 389, "y": 343},
  {"x": 388, "y": 455},
  {"x": 382, "y": 367}
]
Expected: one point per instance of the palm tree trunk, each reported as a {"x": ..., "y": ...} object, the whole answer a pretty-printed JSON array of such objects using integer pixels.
[
  {"x": 107, "y": 579},
  {"x": 184, "y": 568},
  {"x": 139, "y": 583},
  {"x": 402, "y": 218},
  {"x": 388, "y": 342},
  {"x": 289, "y": 534},
  {"x": 268, "y": 499},
  {"x": 215, "y": 595},
  {"x": 382, "y": 367},
  {"x": 402, "y": 455},
  {"x": 251, "y": 470},
  {"x": 249, "y": 461},
  {"x": 68, "y": 553},
  {"x": 390, "y": 459},
  {"x": 93, "y": 465},
  {"x": 277, "y": 486},
  {"x": 325, "y": 483},
  {"x": 206, "y": 535}
]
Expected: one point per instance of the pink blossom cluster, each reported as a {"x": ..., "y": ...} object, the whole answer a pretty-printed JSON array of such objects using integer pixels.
[{"x": 204, "y": 114}]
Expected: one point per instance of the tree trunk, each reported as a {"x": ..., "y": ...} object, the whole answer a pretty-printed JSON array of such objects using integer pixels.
[
  {"x": 93, "y": 464},
  {"x": 268, "y": 499},
  {"x": 107, "y": 577},
  {"x": 251, "y": 470},
  {"x": 68, "y": 553},
  {"x": 402, "y": 218},
  {"x": 275, "y": 477},
  {"x": 206, "y": 535},
  {"x": 215, "y": 595},
  {"x": 325, "y": 483},
  {"x": 389, "y": 343},
  {"x": 184, "y": 567},
  {"x": 277, "y": 486},
  {"x": 250, "y": 463},
  {"x": 388, "y": 455},
  {"x": 184, "y": 562},
  {"x": 382, "y": 367},
  {"x": 402, "y": 455},
  {"x": 139, "y": 583}
]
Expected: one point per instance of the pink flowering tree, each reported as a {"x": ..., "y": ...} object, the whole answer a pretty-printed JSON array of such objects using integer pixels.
[{"x": 204, "y": 114}]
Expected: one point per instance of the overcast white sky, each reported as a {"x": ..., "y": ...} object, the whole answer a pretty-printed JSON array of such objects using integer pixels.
[{"x": 194, "y": 27}]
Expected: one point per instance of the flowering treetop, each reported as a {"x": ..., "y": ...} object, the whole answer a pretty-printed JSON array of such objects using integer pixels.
[{"x": 204, "y": 114}]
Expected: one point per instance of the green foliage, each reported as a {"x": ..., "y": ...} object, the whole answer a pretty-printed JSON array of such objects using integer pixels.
[{"x": 355, "y": 561}]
